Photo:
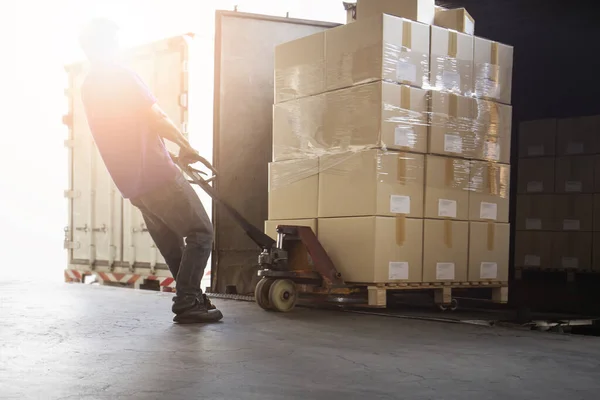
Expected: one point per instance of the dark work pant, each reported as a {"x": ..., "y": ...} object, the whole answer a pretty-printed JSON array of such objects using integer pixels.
[{"x": 182, "y": 231}]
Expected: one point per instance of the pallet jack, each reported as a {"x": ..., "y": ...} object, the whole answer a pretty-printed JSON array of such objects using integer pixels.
[{"x": 294, "y": 263}]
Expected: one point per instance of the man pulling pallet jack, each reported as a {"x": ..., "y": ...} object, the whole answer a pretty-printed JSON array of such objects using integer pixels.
[{"x": 128, "y": 127}]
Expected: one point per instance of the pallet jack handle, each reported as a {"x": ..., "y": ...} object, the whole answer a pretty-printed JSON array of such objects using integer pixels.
[{"x": 262, "y": 240}]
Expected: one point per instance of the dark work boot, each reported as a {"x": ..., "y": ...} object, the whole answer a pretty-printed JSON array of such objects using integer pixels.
[
  {"x": 209, "y": 305},
  {"x": 197, "y": 313}
]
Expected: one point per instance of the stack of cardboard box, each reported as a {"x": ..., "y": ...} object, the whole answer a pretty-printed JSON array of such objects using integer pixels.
[
  {"x": 391, "y": 139},
  {"x": 558, "y": 202}
]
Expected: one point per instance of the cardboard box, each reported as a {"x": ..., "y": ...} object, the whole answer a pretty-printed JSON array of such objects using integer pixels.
[
  {"x": 378, "y": 114},
  {"x": 445, "y": 251},
  {"x": 535, "y": 212},
  {"x": 457, "y": 19},
  {"x": 578, "y": 135},
  {"x": 293, "y": 189},
  {"x": 416, "y": 10},
  {"x": 494, "y": 125},
  {"x": 492, "y": 66},
  {"x": 489, "y": 185},
  {"x": 271, "y": 226},
  {"x": 488, "y": 251},
  {"x": 371, "y": 182},
  {"x": 379, "y": 48},
  {"x": 575, "y": 174},
  {"x": 533, "y": 249},
  {"x": 451, "y": 59},
  {"x": 300, "y": 68},
  {"x": 596, "y": 252},
  {"x": 572, "y": 250},
  {"x": 535, "y": 175},
  {"x": 573, "y": 212},
  {"x": 374, "y": 249},
  {"x": 298, "y": 128},
  {"x": 537, "y": 138},
  {"x": 452, "y": 131},
  {"x": 596, "y": 213},
  {"x": 446, "y": 188}
]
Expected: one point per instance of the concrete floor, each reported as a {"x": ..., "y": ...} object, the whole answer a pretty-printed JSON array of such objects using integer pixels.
[{"x": 90, "y": 342}]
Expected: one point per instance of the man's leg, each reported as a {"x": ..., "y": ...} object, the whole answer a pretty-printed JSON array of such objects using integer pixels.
[{"x": 177, "y": 206}]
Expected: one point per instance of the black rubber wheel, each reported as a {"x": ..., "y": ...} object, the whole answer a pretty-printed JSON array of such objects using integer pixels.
[{"x": 261, "y": 294}]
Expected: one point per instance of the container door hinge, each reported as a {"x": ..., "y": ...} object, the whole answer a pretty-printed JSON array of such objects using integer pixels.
[
  {"x": 67, "y": 119},
  {"x": 185, "y": 67},
  {"x": 69, "y": 245},
  {"x": 69, "y": 143}
]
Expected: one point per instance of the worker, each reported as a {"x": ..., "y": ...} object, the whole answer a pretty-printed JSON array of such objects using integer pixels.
[{"x": 128, "y": 127}]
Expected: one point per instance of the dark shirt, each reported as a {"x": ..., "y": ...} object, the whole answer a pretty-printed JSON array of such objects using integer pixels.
[{"x": 117, "y": 106}]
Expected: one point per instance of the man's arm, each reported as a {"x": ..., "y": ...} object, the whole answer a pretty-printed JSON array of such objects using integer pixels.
[{"x": 167, "y": 129}]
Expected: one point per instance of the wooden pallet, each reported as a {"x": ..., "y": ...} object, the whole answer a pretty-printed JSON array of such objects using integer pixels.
[{"x": 377, "y": 292}]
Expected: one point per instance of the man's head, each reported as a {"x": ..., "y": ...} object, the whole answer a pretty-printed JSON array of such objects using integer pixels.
[{"x": 99, "y": 40}]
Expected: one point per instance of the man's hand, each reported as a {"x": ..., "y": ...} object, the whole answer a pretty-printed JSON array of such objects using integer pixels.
[{"x": 188, "y": 155}]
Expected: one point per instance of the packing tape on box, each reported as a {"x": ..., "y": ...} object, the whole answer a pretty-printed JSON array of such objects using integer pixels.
[
  {"x": 407, "y": 34},
  {"x": 452, "y": 44},
  {"x": 405, "y": 97},
  {"x": 494, "y": 53},
  {"x": 492, "y": 182},
  {"x": 452, "y": 105},
  {"x": 450, "y": 177},
  {"x": 494, "y": 119},
  {"x": 448, "y": 233},
  {"x": 401, "y": 168},
  {"x": 400, "y": 229},
  {"x": 491, "y": 235}
]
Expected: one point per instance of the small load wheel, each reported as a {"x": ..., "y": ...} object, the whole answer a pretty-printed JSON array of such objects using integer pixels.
[
  {"x": 261, "y": 293},
  {"x": 283, "y": 295},
  {"x": 453, "y": 306}
]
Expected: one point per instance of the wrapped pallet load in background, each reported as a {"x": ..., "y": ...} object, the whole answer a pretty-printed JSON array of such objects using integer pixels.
[{"x": 391, "y": 139}]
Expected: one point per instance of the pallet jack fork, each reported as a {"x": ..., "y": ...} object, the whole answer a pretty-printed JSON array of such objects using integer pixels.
[{"x": 294, "y": 263}]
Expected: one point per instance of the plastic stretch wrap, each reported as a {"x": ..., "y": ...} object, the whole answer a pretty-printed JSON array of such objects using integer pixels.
[
  {"x": 493, "y": 64},
  {"x": 293, "y": 188},
  {"x": 451, "y": 68},
  {"x": 300, "y": 68},
  {"x": 392, "y": 117},
  {"x": 371, "y": 182},
  {"x": 489, "y": 185}
]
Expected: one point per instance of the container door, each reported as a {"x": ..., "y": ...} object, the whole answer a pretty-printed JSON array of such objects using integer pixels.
[
  {"x": 163, "y": 67},
  {"x": 93, "y": 237},
  {"x": 244, "y": 51}
]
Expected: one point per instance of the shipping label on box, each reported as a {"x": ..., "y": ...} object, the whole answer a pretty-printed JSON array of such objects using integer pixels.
[
  {"x": 451, "y": 61},
  {"x": 446, "y": 187},
  {"x": 493, "y": 65},
  {"x": 536, "y": 175},
  {"x": 537, "y": 138},
  {"x": 489, "y": 189},
  {"x": 381, "y": 47}
]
